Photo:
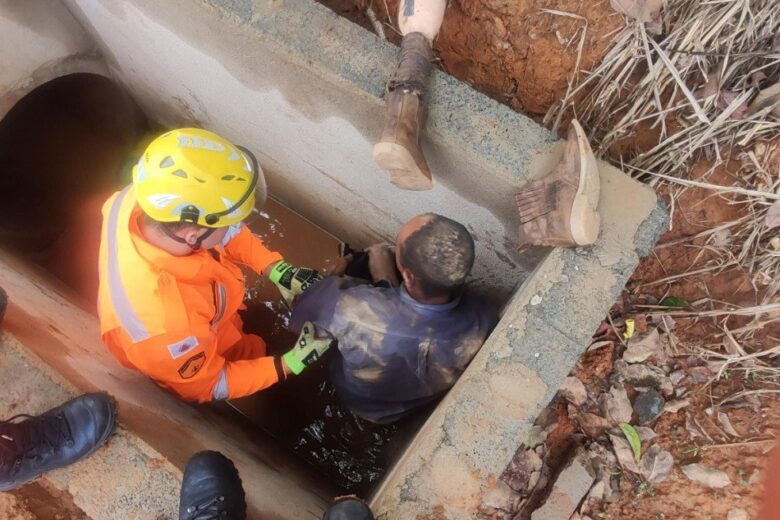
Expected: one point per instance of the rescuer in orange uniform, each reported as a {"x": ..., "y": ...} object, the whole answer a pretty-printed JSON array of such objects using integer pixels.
[{"x": 170, "y": 283}]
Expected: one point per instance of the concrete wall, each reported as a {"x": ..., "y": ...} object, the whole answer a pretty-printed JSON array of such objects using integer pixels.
[
  {"x": 303, "y": 88},
  {"x": 39, "y": 41}
]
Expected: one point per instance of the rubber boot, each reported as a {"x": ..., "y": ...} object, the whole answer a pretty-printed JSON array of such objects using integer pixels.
[
  {"x": 348, "y": 508},
  {"x": 561, "y": 208},
  {"x": 211, "y": 489},
  {"x": 398, "y": 150},
  {"x": 57, "y": 438},
  {"x": 3, "y": 304}
]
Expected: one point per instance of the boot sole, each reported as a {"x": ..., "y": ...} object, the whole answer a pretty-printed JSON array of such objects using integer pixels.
[
  {"x": 403, "y": 170},
  {"x": 585, "y": 221}
]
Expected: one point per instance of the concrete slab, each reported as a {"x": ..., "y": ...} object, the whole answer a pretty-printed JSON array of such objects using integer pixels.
[
  {"x": 126, "y": 479},
  {"x": 467, "y": 442}
]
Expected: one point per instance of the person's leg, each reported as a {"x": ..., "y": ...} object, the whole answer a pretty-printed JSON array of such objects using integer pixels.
[
  {"x": 211, "y": 488},
  {"x": 250, "y": 346},
  {"x": 55, "y": 439},
  {"x": 422, "y": 16},
  {"x": 398, "y": 150},
  {"x": 561, "y": 209}
]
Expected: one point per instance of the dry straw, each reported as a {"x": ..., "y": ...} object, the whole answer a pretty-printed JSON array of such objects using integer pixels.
[{"x": 693, "y": 89}]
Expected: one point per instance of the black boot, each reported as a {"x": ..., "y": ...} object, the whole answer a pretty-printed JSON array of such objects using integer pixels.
[
  {"x": 211, "y": 489},
  {"x": 55, "y": 439},
  {"x": 348, "y": 508}
]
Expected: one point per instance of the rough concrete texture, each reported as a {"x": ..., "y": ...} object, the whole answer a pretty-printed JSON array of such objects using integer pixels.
[
  {"x": 42, "y": 318},
  {"x": 39, "y": 41},
  {"x": 303, "y": 88},
  {"x": 467, "y": 442},
  {"x": 126, "y": 479},
  {"x": 567, "y": 492}
]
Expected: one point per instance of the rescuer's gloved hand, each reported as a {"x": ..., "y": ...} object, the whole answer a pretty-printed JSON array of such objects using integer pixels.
[
  {"x": 313, "y": 342},
  {"x": 292, "y": 280}
]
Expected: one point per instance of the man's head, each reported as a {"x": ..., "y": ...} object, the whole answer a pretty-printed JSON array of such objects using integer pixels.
[{"x": 434, "y": 255}]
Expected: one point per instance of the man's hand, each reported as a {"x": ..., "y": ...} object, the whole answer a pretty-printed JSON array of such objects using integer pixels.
[
  {"x": 381, "y": 264},
  {"x": 312, "y": 344},
  {"x": 292, "y": 280},
  {"x": 339, "y": 266}
]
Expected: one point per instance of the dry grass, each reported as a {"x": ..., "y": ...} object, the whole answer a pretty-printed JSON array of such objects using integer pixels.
[{"x": 691, "y": 90}]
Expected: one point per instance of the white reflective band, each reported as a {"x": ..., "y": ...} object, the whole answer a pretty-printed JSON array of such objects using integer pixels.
[
  {"x": 122, "y": 306},
  {"x": 232, "y": 233},
  {"x": 221, "y": 296},
  {"x": 220, "y": 391}
]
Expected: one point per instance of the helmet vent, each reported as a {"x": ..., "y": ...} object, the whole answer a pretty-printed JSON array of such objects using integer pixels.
[
  {"x": 228, "y": 177},
  {"x": 200, "y": 180},
  {"x": 167, "y": 162},
  {"x": 180, "y": 173}
]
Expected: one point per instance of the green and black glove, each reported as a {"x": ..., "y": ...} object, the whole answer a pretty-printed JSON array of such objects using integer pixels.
[
  {"x": 312, "y": 344},
  {"x": 292, "y": 280}
]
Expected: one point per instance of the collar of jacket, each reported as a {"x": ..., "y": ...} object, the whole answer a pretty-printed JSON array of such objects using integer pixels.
[{"x": 189, "y": 268}]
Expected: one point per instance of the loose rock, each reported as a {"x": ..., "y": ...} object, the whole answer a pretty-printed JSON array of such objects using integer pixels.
[
  {"x": 567, "y": 492},
  {"x": 574, "y": 391},
  {"x": 676, "y": 406},
  {"x": 737, "y": 514},
  {"x": 616, "y": 406},
  {"x": 710, "y": 477},
  {"x": 518, "y": 474},
  {"x": 500, "y": 499},
  {"x": 643, "y": 348},
  {"x": 646, "y": 376},
  {"x": 591, "y": 424},
  {"x": 656, "y": 464},
  {"x": 649, "y": 406}
]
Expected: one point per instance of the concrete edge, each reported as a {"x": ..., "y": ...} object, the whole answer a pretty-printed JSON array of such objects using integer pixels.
[
  {"x": 126, "y": 478},
  {"x": 467, "y": 442},
  {"x": 42, "y": 317}
]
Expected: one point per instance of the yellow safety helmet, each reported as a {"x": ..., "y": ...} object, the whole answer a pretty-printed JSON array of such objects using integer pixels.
[{"x": 193, "y": 175}]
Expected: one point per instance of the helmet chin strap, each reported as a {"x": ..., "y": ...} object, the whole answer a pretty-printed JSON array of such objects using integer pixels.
[{"x": 198, "y": 243}]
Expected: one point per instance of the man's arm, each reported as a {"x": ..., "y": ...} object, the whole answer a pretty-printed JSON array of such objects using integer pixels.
[
  {"x": 190, "y": 366},
  {"x": 241, "y": 245}
]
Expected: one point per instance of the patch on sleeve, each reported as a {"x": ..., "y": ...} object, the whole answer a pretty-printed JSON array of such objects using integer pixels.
[
  {"x": 192, "y": 366},
  {"x": 180, "y": 348}
]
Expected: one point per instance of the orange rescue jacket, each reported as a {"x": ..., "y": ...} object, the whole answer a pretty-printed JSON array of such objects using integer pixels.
[{"x": 175, "y": 318}]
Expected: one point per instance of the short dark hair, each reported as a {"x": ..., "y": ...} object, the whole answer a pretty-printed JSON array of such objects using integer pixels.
[{"x": 440, "y": 255}]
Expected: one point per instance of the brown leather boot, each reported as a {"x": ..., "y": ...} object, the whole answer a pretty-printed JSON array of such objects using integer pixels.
[
  {"x": 561, "y": 208},
  {"x": 398, "y": 150}
]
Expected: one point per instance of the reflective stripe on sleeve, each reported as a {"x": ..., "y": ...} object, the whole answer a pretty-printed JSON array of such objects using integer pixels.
[
  {"x": 132, "y": 324},
  {"x": 220, "y": 391}
]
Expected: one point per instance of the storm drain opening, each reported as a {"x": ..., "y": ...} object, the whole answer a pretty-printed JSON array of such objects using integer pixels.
[{"x": 64, "y": 149}]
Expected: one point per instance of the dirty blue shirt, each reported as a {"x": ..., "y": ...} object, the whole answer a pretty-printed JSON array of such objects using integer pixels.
[{"x": 395, "y": 354}]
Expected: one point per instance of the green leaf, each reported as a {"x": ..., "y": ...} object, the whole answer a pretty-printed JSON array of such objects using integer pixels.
[
  {"x": 633, "y": 439},
  {"x": 673, "y": 301}
]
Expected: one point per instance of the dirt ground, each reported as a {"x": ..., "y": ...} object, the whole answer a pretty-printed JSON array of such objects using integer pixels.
[
  {"x": 522, "y": 54},
  {"x": 519, "y": 52}
]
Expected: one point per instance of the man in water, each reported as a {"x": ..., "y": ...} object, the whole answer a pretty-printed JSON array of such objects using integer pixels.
[{"x": 406, "y": 334}]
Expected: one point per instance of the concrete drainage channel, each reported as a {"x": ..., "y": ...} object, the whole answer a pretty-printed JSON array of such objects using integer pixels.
[{"x": 303, "y": 88}]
